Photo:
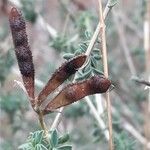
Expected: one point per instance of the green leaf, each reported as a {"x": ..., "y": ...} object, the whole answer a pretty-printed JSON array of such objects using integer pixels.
[
  {"x": 78, "y": 52},
  {"x": 54, "y": 138},
  {"x": 36, "y": 137},
  {"x": 26, "y": 146},
  {"x": 63, "y": 139},
  {"x": 66, "y": 147},
  {"x": 97, "y": 56},
  {"x": 39, "y": 136},
  {"x": 83, "y": 47},
  {"x": 85, "y": 75},
  {"x": 87, "y": 35},
  {"x": 68, "y": 56},
  {"x": 87, "y": 67},
  {"x": 93, "y": 62},
  {"x": 97, "y": 72},
  {"x": 96, "y": 50},
  {"x": 40, "y": 147}
]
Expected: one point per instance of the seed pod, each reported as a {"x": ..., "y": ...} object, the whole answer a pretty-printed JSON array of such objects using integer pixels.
[
  {"x": 60, "y": 75},
  {"x": 22, "y": 50},
  {"x": 77, "y": 91}
]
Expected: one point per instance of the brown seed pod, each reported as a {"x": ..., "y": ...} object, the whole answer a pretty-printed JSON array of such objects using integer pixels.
[
  {"x": 77, "y": 91},
  {"x": 22, "y": 50},
  {"x": 60, "y": 75}
]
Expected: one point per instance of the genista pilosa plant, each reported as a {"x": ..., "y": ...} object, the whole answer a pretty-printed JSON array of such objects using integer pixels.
[{"x": 69, "y": 94}]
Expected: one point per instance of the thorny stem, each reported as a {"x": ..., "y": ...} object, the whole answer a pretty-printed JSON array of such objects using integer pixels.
[{"x": 105, "y": 64}]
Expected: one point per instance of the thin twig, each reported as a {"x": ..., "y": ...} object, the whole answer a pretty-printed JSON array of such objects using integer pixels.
[
  {"x": 141, "y": 81},
  {"x": 57, "y": 119},
  {"x": 105, "y": 64}
]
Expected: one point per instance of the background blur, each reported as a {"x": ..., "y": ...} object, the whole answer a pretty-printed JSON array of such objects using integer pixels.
[{"x": 57, "y": 27}]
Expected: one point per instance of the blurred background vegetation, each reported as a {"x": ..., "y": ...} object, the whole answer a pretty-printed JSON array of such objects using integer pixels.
[{"x": 58, "y": 30}]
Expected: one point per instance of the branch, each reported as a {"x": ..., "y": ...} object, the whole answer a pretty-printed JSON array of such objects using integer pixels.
[
  {"x": 105, "y": 64},
  {"x": 141, "y": 81}
]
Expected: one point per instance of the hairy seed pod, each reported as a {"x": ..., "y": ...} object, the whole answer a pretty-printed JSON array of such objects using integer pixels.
[
  {"x": 22, "y": 50},
  {"x": 74, "y": 92},
  {"x": 60, "y": 75}
]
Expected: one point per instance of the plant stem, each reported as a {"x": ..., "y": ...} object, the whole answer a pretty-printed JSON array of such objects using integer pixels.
[
  {"x": 57, "y": 119},
  {"x": 42, "y": 123},
  {"x": 105, "y": 64},
  {"x": 147, "y": 69}
]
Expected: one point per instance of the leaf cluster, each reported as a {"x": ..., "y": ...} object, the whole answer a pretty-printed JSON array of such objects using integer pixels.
[
  {"x": 91, "y": 67},
  {"x": 52, "y": 141}
]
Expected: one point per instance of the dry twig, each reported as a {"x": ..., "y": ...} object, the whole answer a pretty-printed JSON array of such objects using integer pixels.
[{"x": 105, "y": 65}]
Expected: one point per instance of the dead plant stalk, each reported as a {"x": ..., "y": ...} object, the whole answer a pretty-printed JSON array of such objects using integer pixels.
[{"x": 105, "y": 65}]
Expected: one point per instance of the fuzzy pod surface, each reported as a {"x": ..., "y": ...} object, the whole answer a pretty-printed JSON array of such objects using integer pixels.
[
  {"x": 22, "y": 49},
  {"x": 20, "y": 39},
  {"x": 75, "y": 92},
  {"x": 60, "y": 75}
]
